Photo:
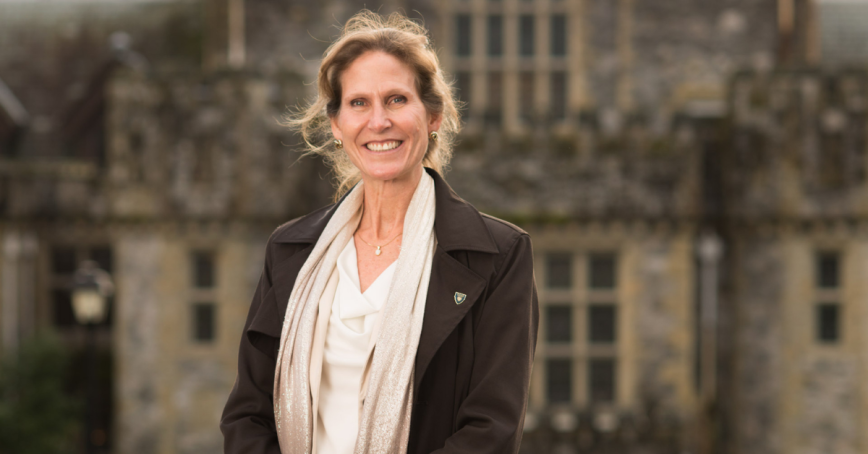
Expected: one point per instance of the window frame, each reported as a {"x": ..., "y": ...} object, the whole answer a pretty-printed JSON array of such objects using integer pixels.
[
  {"x": 526, "y": 35},
  {"x": 196, "y": 256},
  {"x": 463, "y": 25},
  {"x": 822, "y": 334},
  {"x": 558, "y": 44},
  {"x": 581, "y": 298},
  {"x": 494, "y": 34},
  {"x": 199, "y": 308}
]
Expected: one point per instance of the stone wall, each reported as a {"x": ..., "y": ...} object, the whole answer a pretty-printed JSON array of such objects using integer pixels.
[
  {"x": 199, "y": 146},
  {"x": 831, "y": 422},
  {"x": 684, "y": 51},
  {"x": 759, "y": 265},
  {"x": 798, "y": 145},
  {"x": 665, "y": 314},
  {"x": 789, "y": 391},
  {"x": 656, "y": 405},
  {"x": 293, "y": 35},
  {"x": 170, "y": 388},
  {"x": 587, "y": 174},
  {"x": 199, "y": 160},
  {"x": 183, "y": 144},
  {"x": 139, "y": 413}
]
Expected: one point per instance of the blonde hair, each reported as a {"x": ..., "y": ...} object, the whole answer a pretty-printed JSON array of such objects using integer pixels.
[{"x": 403, "y": 39}]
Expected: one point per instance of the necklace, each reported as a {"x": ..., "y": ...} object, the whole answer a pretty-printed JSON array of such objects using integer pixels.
[{"x": 378, "y": 251}]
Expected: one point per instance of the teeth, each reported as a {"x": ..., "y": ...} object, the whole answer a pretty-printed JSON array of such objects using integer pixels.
[{"x": 383, "y": 146}]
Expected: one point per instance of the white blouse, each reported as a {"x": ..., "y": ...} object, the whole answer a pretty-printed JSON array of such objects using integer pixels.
[{"x": 345, "y": 354}]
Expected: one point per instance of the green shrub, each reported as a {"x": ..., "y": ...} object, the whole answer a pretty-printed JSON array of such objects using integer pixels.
[{"x": 37, "y": 415}]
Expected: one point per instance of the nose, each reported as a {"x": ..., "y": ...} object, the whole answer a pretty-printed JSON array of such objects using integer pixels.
[{"x": 379, "y": 119}]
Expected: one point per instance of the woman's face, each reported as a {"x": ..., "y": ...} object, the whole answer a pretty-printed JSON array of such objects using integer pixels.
[{"x": 382, "y": 122}]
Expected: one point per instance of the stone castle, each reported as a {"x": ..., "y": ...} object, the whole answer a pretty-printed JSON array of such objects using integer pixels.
[{"x": 692, "y": 176}]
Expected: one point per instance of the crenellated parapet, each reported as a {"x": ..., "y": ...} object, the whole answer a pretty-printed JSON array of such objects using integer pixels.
[
  {"x": 587, "y": 171},
  {"x": 798, "y": 144},
  {"x": 206, "y": 146},
  {"x": 180, "y": 145}
]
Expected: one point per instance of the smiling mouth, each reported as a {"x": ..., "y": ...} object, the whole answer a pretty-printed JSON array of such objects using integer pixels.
[{"x": 384, "y": 146}]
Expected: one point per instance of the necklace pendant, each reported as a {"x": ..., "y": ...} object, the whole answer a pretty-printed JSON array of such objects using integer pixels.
[{"x": 378, "y": 251}]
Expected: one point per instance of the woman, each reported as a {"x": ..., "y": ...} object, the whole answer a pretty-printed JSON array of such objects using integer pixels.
[{"x": 399, "y": 319}]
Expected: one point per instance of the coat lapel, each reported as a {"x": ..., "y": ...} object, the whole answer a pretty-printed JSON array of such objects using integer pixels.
[
  {"x": 442, "y": 314},
  {"x": 458, "y": 227}
]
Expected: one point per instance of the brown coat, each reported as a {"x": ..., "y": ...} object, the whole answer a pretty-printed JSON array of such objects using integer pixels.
[{"x": 474, "y": 359}]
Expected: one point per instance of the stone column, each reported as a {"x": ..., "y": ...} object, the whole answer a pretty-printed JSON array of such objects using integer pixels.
[
  {"x": 236, "y": 33},
  {"x": 136, "y": 339}
]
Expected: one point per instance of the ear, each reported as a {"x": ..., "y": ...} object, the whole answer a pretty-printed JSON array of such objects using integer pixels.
[
  {"x": 434, "y": 122},
  {"x": 336, "y": 130}
]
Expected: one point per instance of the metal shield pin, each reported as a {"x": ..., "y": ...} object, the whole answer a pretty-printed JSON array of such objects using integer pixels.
[{"x": 460, "y": 297}]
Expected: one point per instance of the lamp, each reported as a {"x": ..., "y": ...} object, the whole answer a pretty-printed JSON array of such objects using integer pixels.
[{"x": 91, "y": 287}]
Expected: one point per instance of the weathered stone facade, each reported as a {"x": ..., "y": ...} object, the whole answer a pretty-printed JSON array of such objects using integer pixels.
[
  {"x": 656, "y": 407},
  {"x": 796, "y": 187},
  {"x": 677, "y": 127}
]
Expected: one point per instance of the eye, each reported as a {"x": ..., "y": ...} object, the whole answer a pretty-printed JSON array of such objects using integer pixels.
[
  {"x": 398, "y": 100},
  {"x": 357, "y": 103}
]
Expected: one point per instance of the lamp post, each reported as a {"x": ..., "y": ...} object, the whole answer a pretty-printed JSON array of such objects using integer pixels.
[
  {"x": 709, "y": 249},
  {"x": 91, "y": 287}
]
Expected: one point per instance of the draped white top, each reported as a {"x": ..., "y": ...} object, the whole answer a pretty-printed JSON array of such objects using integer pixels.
[{"x": 345, "y": 354}]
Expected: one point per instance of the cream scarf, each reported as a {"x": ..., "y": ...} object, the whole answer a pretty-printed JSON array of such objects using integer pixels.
[{"x": 385, "y": 421}]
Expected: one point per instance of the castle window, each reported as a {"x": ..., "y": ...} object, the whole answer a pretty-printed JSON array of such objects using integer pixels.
[
  {"x": 602, "y": 323},
  {"x": 63, "y": 260},
  {"x": 526, "y": 35},
  {"x": 559, "y": 271},
  {"x": 559, "y": 380},
  {"x": 828, "y": 322},
  {"x": 203, "y": 269},
  {"x": 525, "y": 95},
  {"x": 462, "y": 35},
  {"x": 103, "y": 257},
  {"x": 602, "y": 271},
  {"x": 580, "y": 327},
  {"x": 204, "y": 315},
  {"x": 827, "y": 270},
  {"x": 559, "y": 324},
  {"x": 559, "y": 95},
  {"x": 828, "y": 312},
  {"x": 503, "y": 45},
  {"x": 495, "y": 98},
  {"x": 601, "y": 380},
  {"x": 559, "y": 35},
  {"x": 495, "y": 35}
]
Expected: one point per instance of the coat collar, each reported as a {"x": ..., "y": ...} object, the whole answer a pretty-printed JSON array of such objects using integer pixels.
[{"x": 457, "y": 225}]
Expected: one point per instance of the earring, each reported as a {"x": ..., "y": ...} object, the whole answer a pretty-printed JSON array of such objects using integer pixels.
[
  {"x": 434, "y": 135},
  {"x": 338, "y": 144}
]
